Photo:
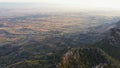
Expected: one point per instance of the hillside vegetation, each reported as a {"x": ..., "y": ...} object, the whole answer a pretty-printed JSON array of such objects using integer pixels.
[{"x": 87, "y": 58}]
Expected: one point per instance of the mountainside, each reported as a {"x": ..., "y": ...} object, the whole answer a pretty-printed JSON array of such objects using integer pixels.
[
  {"x": 87, "y": 58},
  {"x": 111, "y": 42},
  {"x": 74, "y": 58},
  {"x": 114, "y": 35}
]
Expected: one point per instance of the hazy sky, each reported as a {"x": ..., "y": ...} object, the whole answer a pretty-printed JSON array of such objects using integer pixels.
[{"x": 109, "y": 4}]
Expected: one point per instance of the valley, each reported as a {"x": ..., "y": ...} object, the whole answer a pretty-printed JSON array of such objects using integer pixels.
[{"x": 38, "y": 39}]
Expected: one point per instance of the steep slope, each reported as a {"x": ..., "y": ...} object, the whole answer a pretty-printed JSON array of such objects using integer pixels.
[
  {"x": 113, "y": 36},
  {"x": 87, "y": 58},
  {"x": 111, "y": 43}
]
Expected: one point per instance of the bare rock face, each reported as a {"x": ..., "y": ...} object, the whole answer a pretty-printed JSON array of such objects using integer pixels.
[{"x": 86, "y": 58}]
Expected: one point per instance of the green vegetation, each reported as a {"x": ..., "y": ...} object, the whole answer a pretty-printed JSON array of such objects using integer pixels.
[
  {"x": 31, "y": 64},
  {"x": 87, "y": 58}
]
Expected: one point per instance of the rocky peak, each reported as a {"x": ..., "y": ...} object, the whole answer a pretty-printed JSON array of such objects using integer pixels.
[{"x": 85, "y": 58}]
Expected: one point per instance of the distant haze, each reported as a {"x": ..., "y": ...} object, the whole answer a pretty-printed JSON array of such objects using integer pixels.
[{"x": 74, "y": 4}]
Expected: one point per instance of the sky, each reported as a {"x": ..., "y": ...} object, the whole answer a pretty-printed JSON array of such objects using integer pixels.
[{"x": 97, "y": 4}]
